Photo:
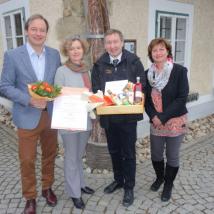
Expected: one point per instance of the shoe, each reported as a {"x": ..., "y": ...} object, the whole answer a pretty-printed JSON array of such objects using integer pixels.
[
  {"x": 50, "y": 197},
  {"x": 128, "y": 197},
  {"x": 167, "y": 192},
  {"x": 78, "y": 203},
  {"x": 87, "y": 190},
  {"x": 30, "y": 207},
  {"x": 170, "y": 176},
  {"x": 112, "y": 187},
  {"x": 159, "y": 171},
  {"x": 156, "y": 185}
]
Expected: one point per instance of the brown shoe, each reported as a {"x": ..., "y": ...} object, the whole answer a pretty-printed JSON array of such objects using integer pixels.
[
  {"x": 50, "y": 197},
  {"x": 30, "y": 207}
]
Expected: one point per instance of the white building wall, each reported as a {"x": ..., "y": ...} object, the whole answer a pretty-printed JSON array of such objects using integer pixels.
[
  {"x": 132, "y": 17},
  {"x": 52, "y": 10}
]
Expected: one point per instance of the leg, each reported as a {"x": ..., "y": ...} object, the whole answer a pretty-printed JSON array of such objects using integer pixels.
[
  {"x": 159, "y": 171},
  {"x": 173, "y": 145},
  {"x": 48, "y": 142},
  {"x": 71, "y": 165},
  {"x": 128, "y": 137},
  {"x": 172, "y": 166},
  {"x": 113, "y": 141},
  {"x": 27, "y": 156},
  {"x": 83, "y": 140},
  {"x": 157, "y": 149}
]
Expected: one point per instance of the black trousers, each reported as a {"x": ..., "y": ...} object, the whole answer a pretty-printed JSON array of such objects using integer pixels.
[{"x": 121, "y": 139}]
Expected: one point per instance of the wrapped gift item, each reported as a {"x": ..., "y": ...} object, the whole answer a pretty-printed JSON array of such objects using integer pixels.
[{"x": 44, "y": 90}]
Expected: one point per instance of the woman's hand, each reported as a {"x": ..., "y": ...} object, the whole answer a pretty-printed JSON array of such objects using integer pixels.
[{"x": 156, "y": 121}]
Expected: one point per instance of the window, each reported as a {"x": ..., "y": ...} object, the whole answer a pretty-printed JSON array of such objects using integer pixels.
[
  {"x": 173, "y": 27},
  {"x": 13, "y": 29},
  {"x": 174, "y": 21}
]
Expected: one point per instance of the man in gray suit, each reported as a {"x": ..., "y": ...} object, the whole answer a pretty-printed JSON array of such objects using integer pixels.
[{"x": 26, "y": 64}]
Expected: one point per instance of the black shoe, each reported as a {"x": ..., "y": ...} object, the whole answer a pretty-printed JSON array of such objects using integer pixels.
[
  {"x": 78, "y": 203},
  {"x": 167, "y": 192},
  {"x": 87, "y": 190},
  {"x": 170, "y": 175},
  {"x": 128, "y": 197},
  {"x": 156, "y": 185},
  {"x": 112, "y": 187},
  {"x": 159, "y": 171}
]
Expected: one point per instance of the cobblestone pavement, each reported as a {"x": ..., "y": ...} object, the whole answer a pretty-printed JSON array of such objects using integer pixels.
[{"x": 193, "y": 191}]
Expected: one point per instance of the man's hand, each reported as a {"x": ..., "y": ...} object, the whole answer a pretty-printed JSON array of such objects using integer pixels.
[
  {"x": 156, "y": 121},
  {"x": 38, "y": 103}
]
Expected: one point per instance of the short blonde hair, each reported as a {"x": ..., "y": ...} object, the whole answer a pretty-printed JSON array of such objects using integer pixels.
[{"x": 67, "y": 43}]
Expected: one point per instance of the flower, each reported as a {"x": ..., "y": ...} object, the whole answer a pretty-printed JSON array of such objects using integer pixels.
[{"x": 44, "y": 90}]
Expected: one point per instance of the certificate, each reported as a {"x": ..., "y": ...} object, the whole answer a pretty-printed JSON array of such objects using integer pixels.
[
  {"x": 70, "y": 111},
  {"x": 116, "y": 87}
]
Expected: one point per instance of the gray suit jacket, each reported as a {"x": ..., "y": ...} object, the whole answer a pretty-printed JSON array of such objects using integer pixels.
[{"x": 16, "y": 74}]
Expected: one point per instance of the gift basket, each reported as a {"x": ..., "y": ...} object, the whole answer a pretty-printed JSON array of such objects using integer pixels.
[{"x": 129, "y": 101}]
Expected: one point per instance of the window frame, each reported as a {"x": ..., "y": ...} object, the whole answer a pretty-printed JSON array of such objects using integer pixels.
[
  {"x": 13, "y": 27},
  {"x": 175, "y": 8},
  {"x": 173, "y": 39},
  {"x": 10, "y": 7}
]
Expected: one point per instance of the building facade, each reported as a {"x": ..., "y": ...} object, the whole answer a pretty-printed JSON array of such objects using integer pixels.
[{"x": 187, "y": 24}]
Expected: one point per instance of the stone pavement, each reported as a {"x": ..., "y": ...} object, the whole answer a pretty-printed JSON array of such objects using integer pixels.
[{"x": 193, "y": 191}]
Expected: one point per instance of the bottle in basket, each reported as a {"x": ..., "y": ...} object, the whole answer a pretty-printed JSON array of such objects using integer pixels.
[
  {"x": 138, "y": 92},
  {"x": 129, "y": 92},
  {"x": 114, "y": 98}
]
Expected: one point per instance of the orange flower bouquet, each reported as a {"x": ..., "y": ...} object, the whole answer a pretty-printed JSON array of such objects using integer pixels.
[{"x": 44, "y": 90}]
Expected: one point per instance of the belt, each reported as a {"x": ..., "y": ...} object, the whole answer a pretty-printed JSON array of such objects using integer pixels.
[{"x": 45, "y": 109}]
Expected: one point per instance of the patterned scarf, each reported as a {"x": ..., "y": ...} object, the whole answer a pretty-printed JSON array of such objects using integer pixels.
[
  {"x": 159, "y": 79},
  {"x": 81, "y": 68}
]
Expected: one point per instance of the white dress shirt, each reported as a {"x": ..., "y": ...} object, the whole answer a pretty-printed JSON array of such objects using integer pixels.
[
  {"x": 37, "y": 61},
  {"x": 113, "y": 58}
]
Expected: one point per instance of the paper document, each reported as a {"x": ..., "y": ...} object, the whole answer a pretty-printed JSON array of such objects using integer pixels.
[
  {"x": 116, "y": 87},
  {"x": 69, "y": 111}
]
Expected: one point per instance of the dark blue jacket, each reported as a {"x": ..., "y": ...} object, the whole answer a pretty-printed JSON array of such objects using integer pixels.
[{"x": 128, "y": 68}]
